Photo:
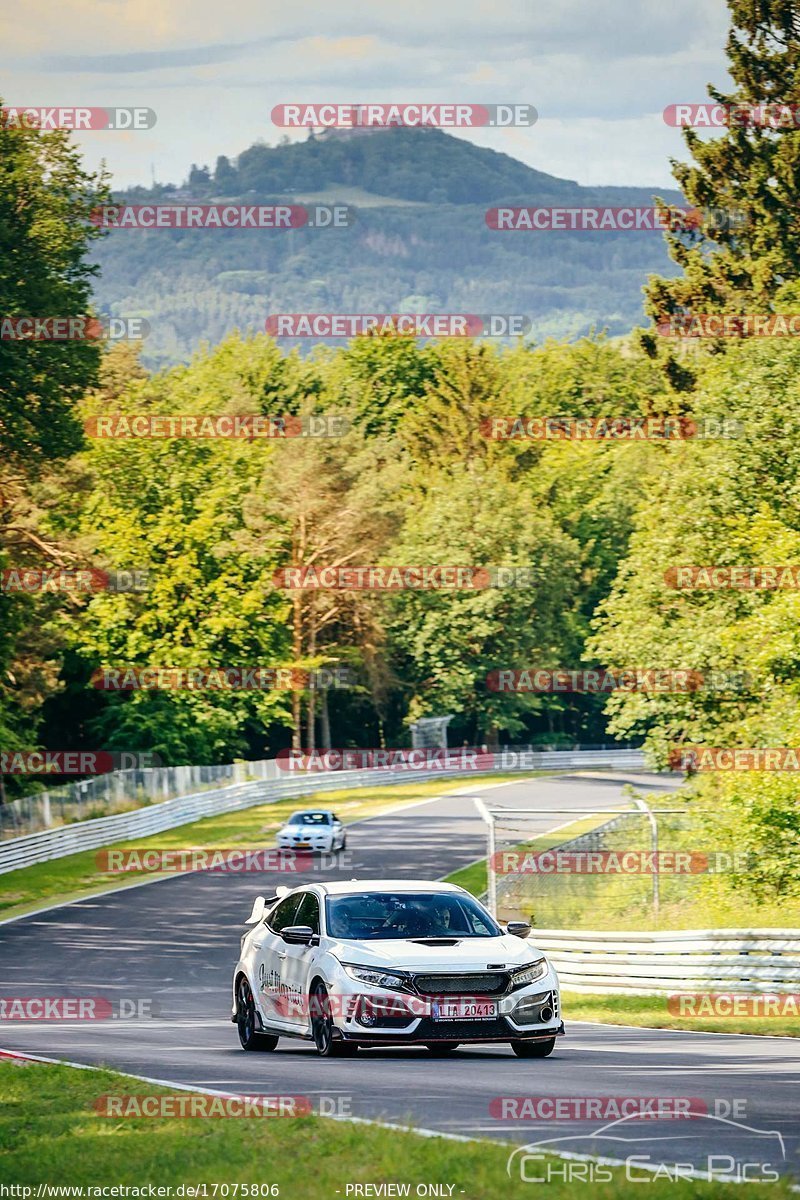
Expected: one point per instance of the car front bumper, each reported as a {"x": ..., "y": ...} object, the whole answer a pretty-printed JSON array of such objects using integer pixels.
[
  {"x": 392, "y": 1017},
  {"x": 429, "y": 1032},
  {"x": 312, "y": 846}
]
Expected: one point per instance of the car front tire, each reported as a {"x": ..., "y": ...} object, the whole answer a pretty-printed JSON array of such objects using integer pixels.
[
  {"x": 246, "y": 1021},
  {"x": 322, "y": 1027},
  {"x": 534, "y": 1049}
]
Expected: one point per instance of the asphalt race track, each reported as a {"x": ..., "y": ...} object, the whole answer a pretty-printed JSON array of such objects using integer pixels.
[{"x": 174, "y": 943}]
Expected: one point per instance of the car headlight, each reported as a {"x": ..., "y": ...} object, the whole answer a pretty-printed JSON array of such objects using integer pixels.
[
  {"x": 378, "y": 978},
  {"x": 529, "y": 974}
]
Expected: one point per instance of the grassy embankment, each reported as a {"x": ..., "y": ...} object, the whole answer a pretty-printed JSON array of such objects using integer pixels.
[{"x": 51, "y": 1133}]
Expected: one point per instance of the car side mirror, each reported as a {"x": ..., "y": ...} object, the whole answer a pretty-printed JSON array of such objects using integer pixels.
[
  {"x": 300, "y": 935},
  {"x": 520, "y": 929}
]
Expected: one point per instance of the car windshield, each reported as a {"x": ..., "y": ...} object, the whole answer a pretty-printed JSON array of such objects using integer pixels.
[
  {"x": 309, "y": 818},
  {"x": 372, "y": 915}
]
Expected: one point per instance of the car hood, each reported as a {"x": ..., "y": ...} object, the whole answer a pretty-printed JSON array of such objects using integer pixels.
[{"x": 474, "y": 954}]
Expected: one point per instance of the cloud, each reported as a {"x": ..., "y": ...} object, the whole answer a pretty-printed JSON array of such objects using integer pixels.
[
  {"x": 598, "y": 71},
  {"x": 149, "y": 60}
]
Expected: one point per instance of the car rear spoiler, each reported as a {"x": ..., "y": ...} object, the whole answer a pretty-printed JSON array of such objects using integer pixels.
[{"x": 262, "y": 903}]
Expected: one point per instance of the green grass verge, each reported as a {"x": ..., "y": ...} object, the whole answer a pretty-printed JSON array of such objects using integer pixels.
[
  {"x": 78, "y": 875},
  {"x": 652, "y": 1011},
  {"x": 51, "y": 1133}
]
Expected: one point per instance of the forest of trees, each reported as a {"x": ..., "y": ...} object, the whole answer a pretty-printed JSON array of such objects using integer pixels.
[
  {"x": 414, "y": 479},
  {"x": 419, "y": 242}
]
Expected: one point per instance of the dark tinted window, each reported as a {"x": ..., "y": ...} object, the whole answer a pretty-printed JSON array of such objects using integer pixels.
[
  {"x": 308, "y": 912},
  {"x": 375, "y": 915},
  {"x": 310, "y": 818},
  {"x": 284, "y": 914}
]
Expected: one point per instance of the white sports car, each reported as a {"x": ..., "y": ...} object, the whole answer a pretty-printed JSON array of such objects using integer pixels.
[
  {"x": 313, "y": 829},
  {"x": 389, "y": 963}
]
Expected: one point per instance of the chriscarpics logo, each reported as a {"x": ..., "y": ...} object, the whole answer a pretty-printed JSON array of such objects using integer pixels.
[{"x": 721, "y": 1149}]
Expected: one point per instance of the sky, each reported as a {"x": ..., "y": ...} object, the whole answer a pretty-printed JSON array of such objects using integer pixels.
[{"x": 599, "y": 72}]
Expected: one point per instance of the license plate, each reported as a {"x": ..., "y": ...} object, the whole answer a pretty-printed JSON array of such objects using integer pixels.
[
  {"x": 302, "y": 845},
  {"x": 463, "y": 1008}
]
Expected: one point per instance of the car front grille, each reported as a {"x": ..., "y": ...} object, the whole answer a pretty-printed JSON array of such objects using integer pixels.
[
  {"x": 463, "y": 1031},
  {"x": 484, "y": 983}
]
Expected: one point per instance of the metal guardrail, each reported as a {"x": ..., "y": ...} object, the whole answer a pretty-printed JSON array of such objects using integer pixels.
[
  {"x": 757, "y": 961},
  {"x": 181, "y": 810},
  {"x": 117, "y": 792}
]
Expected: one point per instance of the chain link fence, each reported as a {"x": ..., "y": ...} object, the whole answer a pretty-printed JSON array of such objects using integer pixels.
[
  {"x": 125, "y": 791},
  {"x": 610, "y": 872},
  {"x": 119, "y": 792}
]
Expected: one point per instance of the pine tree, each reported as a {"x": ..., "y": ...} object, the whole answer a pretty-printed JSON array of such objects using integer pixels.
[{"x": 751, "y": 171}]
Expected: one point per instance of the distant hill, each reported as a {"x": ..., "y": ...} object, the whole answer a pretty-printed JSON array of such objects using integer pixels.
[{"x": 420, "y": 243}]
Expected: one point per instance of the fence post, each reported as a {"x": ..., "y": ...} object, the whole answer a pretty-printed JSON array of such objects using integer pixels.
[
  {"x": 640, "y": 804},
  {"x": 491, "y": 871}
]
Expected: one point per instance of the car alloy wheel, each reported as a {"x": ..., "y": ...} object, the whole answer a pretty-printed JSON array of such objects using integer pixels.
[
  {"x": 322, "y": 1027},
  {"x": 246, "y": 1021}
]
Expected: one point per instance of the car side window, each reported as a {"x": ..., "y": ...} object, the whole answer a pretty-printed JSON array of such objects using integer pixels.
[
  {"x": 284, "y": 914},
  {"x": 477, "y": 924},
  {"x": 308, "y": 912}
]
